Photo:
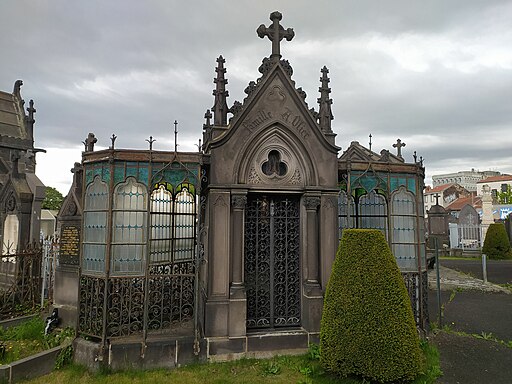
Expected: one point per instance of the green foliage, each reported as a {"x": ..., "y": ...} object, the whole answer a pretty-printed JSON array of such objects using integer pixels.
[
  {"x": 53, "y": 199},
  {"x": 271, "y": 368},
  {"x": 65, "y": 357},
  {"x": 496, "y": 244},
  {"x": 28, "y": 338},
  {"x": 314, "y": 351},
  {"x": 367, "y": 325},
  {"x": 505, "y": 197}
]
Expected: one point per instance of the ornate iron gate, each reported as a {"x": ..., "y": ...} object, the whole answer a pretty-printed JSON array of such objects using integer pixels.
[{"x": 272, "y": 268}]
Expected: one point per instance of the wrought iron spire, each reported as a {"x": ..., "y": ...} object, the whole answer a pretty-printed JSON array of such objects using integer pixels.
[
  {"x": 275, "y": 33},
  {"x": 175, "y": 135},
  {"x": 113, "y": 140},
  {"x": 150, "y": 141},
  {"x": 325, "y": 111},
  {"x": 220, "y": 106},
  {"x": 370, "y": 143}
]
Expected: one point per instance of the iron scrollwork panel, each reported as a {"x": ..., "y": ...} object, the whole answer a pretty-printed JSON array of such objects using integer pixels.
[
  {"x": 286, "y": 282},
  {"x": 171, "y": 296},
  {"x": 257, "y": 263},
  {"x": 92, "y": 296},
  {"x": 272, "y": 270},
  {"x": 125, "y": 308}
]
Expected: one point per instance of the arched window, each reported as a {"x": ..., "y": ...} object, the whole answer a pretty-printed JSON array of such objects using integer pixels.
[
  {"x": 173, "y": 223},
  {"x": 404, "y": 237},
  {"x": 128, "y": 228},
  {"x": 372, "y": 212},
  {"x": 95, "y": 226},
  {"x": 184, "y": 224}
]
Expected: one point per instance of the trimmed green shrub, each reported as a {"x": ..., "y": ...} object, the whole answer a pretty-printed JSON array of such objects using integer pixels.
[
  {"x": 496, "y": 243},
  {"x": 368, "y": 328}
]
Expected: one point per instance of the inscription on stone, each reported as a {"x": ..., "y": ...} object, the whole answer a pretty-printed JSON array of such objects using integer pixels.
[{"x": 70, "y": 241}]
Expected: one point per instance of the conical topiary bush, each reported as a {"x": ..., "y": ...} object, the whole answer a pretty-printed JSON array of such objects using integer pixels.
[
  {"x": 496, "y": 243},
  {"x": 367, "y": 326}
]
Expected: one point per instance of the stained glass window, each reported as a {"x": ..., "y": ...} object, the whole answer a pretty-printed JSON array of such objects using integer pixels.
[
  {"x": 173, "y": 223},
  {"x": 372, "y": 212},
  {"x": 128, "y": 228},
  {"x": 95, "y": 226},
  {"x": 403, "y": 222}
]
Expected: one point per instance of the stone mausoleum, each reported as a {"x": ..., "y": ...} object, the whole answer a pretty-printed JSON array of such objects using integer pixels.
[{"x": 170, "y": 256}]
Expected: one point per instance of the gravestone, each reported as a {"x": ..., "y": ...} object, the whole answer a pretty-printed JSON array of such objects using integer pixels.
[
  {"x": 66, "y": 273},
  {"x": 469, "y": 228},
  {"x": 438, "y": 219}
]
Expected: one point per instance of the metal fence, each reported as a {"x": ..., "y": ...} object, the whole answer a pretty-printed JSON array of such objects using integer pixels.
[
  {"x": 20, "y": 280},
  {"x": 466, "y": 236}
]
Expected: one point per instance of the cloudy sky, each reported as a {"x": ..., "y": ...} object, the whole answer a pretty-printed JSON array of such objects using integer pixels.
[{"x": 437, "y": 74}]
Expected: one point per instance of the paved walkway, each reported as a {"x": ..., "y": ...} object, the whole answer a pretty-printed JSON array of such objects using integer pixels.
[
  {"x": 451, "y": 279},
  {"x": 482, "y": 311}
]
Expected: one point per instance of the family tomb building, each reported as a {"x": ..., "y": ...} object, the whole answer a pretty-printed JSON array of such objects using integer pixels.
[{"x": 227, "y": 251}]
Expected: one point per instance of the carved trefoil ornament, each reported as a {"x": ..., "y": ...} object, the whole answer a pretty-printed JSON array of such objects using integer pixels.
[{"x": 274, "y": 163}]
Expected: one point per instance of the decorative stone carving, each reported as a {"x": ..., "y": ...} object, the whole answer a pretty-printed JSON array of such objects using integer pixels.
[
  {"x": 296, "y": 178},
  {"x": 71, "y": 209},
  {"x": 311, "y": 202},
  {"x": 266, "y": 66},
  {"x": 236, "y": 108},
  {"x": 10, "y": 204},
  {"x": 287, "y": 67},
  {"x": 253, "y": 177},
  {"x": 302, "y": 93},
  {"x": 239, "y": 202},
  {"x": 249, "y": 90},
  {"x": 276, "y": 95}
]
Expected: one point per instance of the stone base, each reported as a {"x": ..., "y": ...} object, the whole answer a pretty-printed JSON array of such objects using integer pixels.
[
  {"x": 128, "y": 353},
  {"x": 260, "y": 345}
]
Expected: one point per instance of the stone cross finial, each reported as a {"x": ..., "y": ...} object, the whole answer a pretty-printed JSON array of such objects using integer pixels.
[
  {"x": 31, "y": 110},
  {"x": 275, "y": 33},
  {"x": 398, "y": 147},
  {"x": 437, "y": 196},
  {"x": 89, "y": 142},
  {"x": 208, "y": 116}
]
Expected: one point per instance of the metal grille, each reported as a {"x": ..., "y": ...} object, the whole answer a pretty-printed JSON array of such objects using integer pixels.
[{"x": 272, "y": 270}]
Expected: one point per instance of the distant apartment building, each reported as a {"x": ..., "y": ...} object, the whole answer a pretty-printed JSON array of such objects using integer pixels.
[
  {"x": 498, "y": 183},
  {"x": 466, "y": 179},
  {"x": 446, "y": 193}
]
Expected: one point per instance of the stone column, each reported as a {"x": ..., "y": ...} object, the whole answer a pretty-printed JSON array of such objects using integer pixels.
[
  {"x": 237, "y": 297},
  {"x": 487, "y": 216},
  {"x": 312, "y": 203},
  {"x": 328, "y": 225},
  {"x": 217, "y": 303},
  {"x": 312, "y": 292}
]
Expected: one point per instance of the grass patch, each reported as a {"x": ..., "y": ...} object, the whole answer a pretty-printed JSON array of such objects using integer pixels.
[
  {"x": 28, "y": 339},
  {"x": 303, "y": 369}
]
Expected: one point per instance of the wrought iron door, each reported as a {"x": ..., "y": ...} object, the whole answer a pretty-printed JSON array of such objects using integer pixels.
[{"x": 272, "y": 270}]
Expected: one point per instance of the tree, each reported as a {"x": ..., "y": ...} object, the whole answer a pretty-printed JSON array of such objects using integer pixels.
[
  {"x": 368, "y": 327},
  {"x": 505, "y": 197},
  {"x": 53, "y": 199}
]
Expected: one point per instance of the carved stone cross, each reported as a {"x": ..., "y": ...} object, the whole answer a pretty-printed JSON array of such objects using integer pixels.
[
  {"x": 398, "y": 147},
  {"x": 437, "y": 196},
  {"x": 275, "y": 33},
  {"x": 89, "y": 142}
]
